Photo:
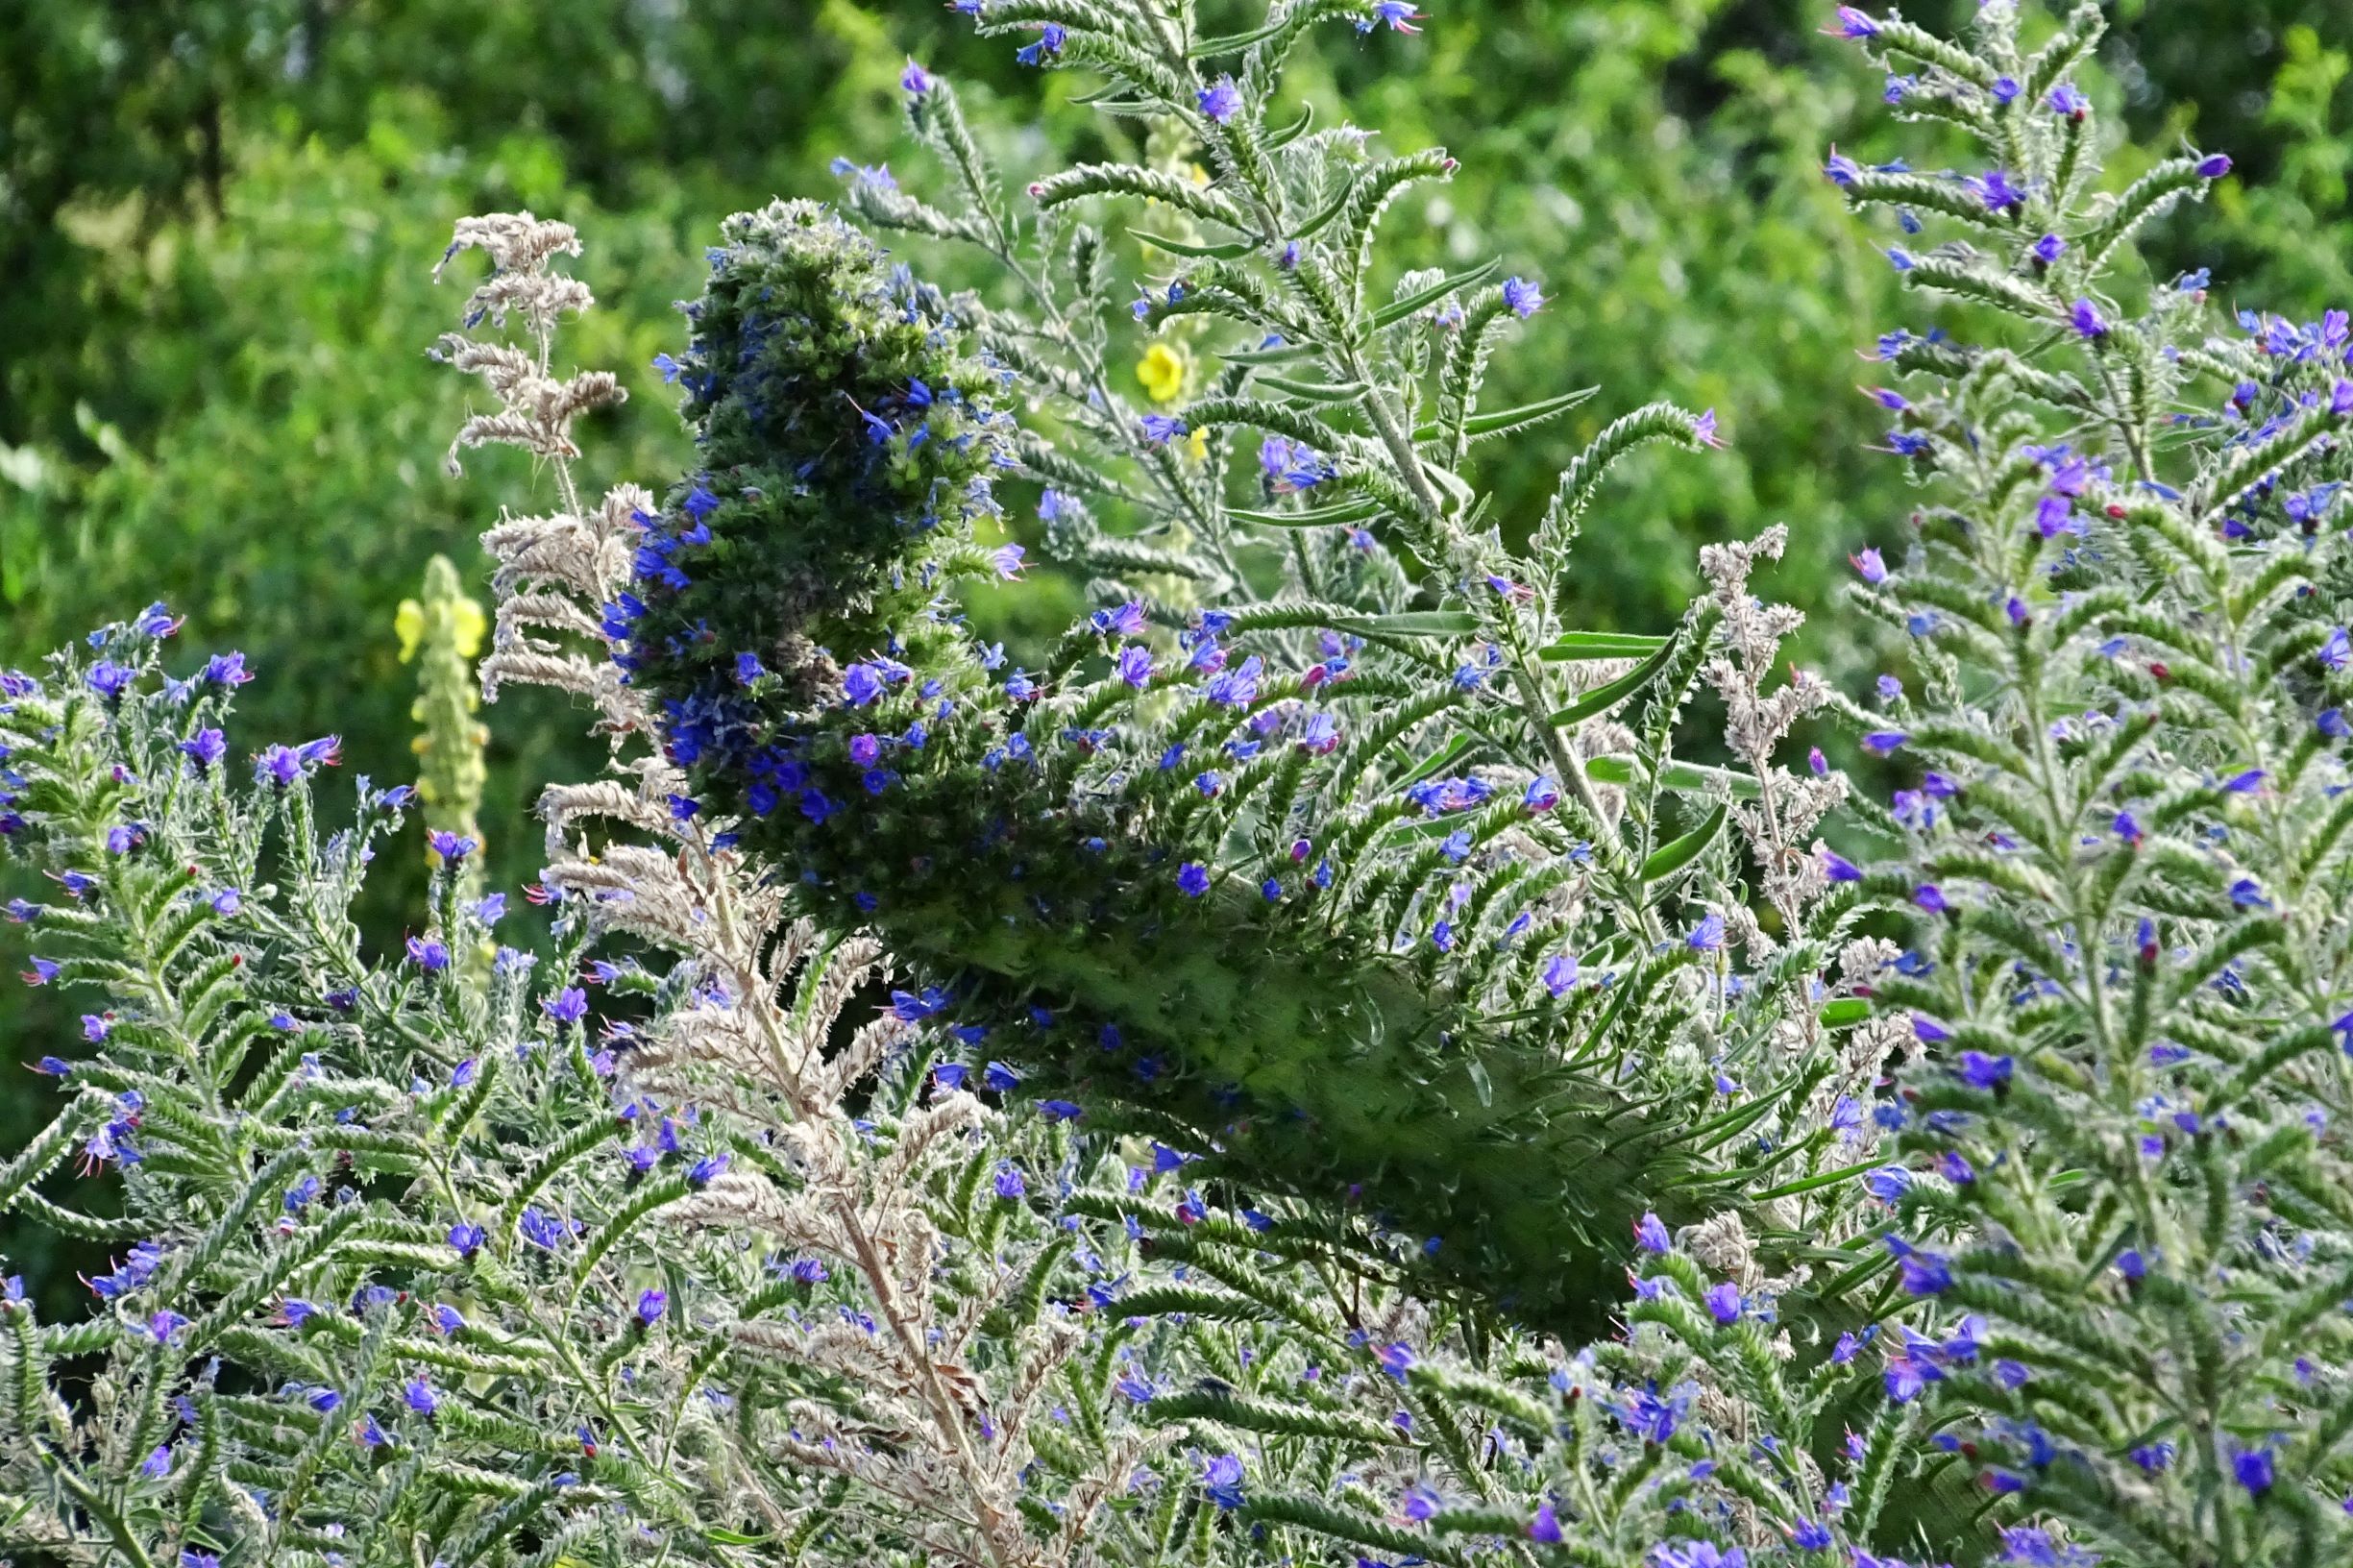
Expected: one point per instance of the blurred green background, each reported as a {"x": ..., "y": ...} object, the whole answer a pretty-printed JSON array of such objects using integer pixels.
[{"x": 218, "y": 217}]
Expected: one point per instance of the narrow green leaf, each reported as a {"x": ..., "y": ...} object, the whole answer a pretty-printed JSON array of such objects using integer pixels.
[
  {"x": 1570, "y": 646},
  {"x": 1317, "y": 518},
  {"x": 1684, "y": 778},
  {"x": 1409, "y": 624},
  {"x": 1503, "y": 421},
  {"x": 1234, "y": 43},
  {"x": 1276, "y": 355},
  {"x": 1672, "y": 858},
  {"x": 1292, "y": 131},
  {"x": 1438, "y": 762},
  {"x": 1388, "y": 315},
  {"x": 1602, "y": 698},
  {"x": 1313, "y": 391},
  {"x": 1847, "y": 1009},
  {"x": 1225, "y": 252}
]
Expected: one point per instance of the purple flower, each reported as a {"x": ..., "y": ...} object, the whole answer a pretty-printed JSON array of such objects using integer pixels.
[
  {"x": 569, "y": 1005},
  {"x": 999, "y": 1078},
  {"x": 1930, "y": 897},
  {"x": 467, "y": 1238},
  {"x": 1928, "y": 1031},
  {"x": 419, "y": 1396},
  {"x": 1542, "y": 795},
  {"x": 915, "y": 78},
  {"x": 2087, "y": 320},
  {"x": 2251, "y": 1468},
  {"x": 1545, "y": 1526},
  {"x": 1009, "y": 1181},
  {"x": 1995, "y": 189},
  {"x": 542, "y": 1229},
  {"x": 1922, "y": 1273},
  {"x": 747, "y": 669},
  {"x": 1136, "y": 665},
  {"x": 2338, "y": 650},
  {"x": 2065, "y": 100},
  {"x": 206, "y": 749},
  {"x": 1221, "y": 1479},
  {"x": 1881, "y": 742},
  {"x": 1708, "y": 936},
  {"x": 2213, "y": 166},
  {"x": 95, "y": 1027},
  {"x": 452, "y": 848},
  {"x": 1559, "y": 973},
  {"x": 1837, "y": 866},
  {"x": 225, "y": 669},
  {"x": 110, "y": 680},
  {"x": 1220, "y": 99},
  {"x": 278, "y": 765},
  {"x": 1523, "y": 296},
  {"x": 428, "y": 954},
  {"x": 705, "y": 1170},
  {"x": 1192, "y": 879},
  {"x": 2049, "y": 249},
  {"x": 650, "y": 1305},
  {"x": 1007, "y": 560},
  {"x": 1851, "y": 23},
  {"x": 1158, "y": 430},
  {"x": 1050, "y": 40},
  {"x": 1723, "y": 1302}
]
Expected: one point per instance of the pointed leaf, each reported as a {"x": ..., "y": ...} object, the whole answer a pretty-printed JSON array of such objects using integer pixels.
[
  {"x": 1503, "y": 421},
  {"x": 1409, "y": 624},
  {"x": 1234, "y": 43},
  {"x": 1225, "y": 252},
  {"x": 1602, "y": 698},
  {"x": 1672, "y": 858},
  {"x": 1438, "y": 762},
  {"x": 1684, "y": 778},
  {"x": 1354, "y": 511},
  {"x": 1292, "y": 131},
  {"x": 1572, "y": 646},
  {"x": 1313, "y": 391},
  {"x": 1388, "y": 315},
  {"x": 1847, "y": 1009}
]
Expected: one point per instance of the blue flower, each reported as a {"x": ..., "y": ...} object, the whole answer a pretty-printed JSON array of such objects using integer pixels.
[
  {"x": 450, "y": 846},
  {"x": 916, "y": 80},
  {"x": 2251, "y": 1468},
  {"x": 2087, "y": 321},
  {"x": 1060, "y": 1110},
  {"x": 1723, "y": 1302},
  {"x": 1220, "y": 99},
  {"x": 1192, "y": 879},
  {"x": 1221, "y": 1479},
  {"x": 1708, "y": 936},
  {"x": 1922, "y": 1273},
  {"x": 467, "y": 1238},
  {"x": 1523, "y": 297},
  {"x": 1980, "y": 1071},
  {"x": 569, "y": 1005},
  {"x": 999, "y": 1078},
  {"x": 650, "y": 1305},
  {"x": 1651, "y": 1234}
]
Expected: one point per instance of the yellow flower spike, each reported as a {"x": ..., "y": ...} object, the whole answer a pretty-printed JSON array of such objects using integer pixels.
[
  {"x": 1161, "y": 371},
  {"x": 408, "y": 626}
]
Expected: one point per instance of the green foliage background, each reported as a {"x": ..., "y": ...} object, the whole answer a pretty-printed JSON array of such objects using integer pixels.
[{"x": 217, "y": 219}]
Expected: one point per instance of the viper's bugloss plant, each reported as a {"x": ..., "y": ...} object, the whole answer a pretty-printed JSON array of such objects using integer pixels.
[
  {"x": 1322, "y": 848},
  {"x": 1197, "y": 1100},
  {"x": 2124, "y": 826}
]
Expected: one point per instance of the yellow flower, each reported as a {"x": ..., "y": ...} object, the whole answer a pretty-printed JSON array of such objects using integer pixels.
[
  {"x": 1162, "y": 371},
  {"x": 467, "y": 623},
  {"x": 1197, "y": 446},
  {"x": 408, "y": 626}
]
